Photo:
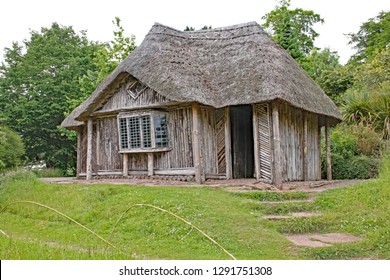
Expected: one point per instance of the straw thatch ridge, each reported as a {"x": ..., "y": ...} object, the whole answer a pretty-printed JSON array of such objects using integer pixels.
[{"x": 226, "y": 66}]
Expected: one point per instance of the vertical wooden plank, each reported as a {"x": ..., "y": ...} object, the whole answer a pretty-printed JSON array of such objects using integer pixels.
[
  {"x": 228, "y": 144},
  {"x": 319, "y": 150},
  {"x": 196, "y": 142},
  {"x": 89, "y": 147},
  {"x": 98, "y": 142},
  {"x": 125, "y": 158},
  {"x": 79, "y": 151},
  {"x": 256, "y": 141},
  {"x": 305, "y": 162},
  {"x": 277, "y": 178},
  {"x": 150, "y": 164},
  {"x": 328, "y": 155}
]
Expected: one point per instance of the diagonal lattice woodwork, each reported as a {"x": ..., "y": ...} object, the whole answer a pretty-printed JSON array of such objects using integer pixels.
[
  {"x": 220, "y": 131},
  {"x": 262, "y": 112}
]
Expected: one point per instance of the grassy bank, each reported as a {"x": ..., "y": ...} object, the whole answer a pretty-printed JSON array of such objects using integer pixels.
[
  {"x": 232, "y": 220},
  {"x": 144, "y": 233}
]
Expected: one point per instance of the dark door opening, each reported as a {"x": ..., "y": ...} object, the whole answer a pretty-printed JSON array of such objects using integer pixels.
[{"x": 242, "y": 141}]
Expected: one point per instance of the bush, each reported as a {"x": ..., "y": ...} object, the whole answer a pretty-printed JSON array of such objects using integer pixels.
[
  {"x": 11, "y": 149},
  {"x": 357, "y": 167},
  {"x": 355, "y": 151}
]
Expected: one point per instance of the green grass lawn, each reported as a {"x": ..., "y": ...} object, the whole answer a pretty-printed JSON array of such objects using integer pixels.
[
  {"x": 144, "y": 233},
  {"x": 232, "y": 220}
]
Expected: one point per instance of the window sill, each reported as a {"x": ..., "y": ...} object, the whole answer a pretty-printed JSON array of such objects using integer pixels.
[{"x": 150, "y": 150}]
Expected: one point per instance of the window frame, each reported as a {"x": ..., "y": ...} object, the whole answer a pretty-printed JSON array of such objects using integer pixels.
[{"x": 141, "y": 132}]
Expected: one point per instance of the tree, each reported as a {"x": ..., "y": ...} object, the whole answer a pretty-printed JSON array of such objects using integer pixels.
[
  {"x": 292, "y": 29},
  {"x": 36, "y": 82},
  {"x": 318, "y": 61},
  {"x": 372, "y": 37},
  {"x": 336, "y": 82}
]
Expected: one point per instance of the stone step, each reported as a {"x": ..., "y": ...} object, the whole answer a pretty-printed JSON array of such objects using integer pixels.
[
  {"x": 271, "y": 203},
  {"x": 321, "y": 240},
  {"x": 292, "y": 215}
]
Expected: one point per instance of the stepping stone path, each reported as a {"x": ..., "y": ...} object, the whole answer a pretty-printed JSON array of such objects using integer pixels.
[
  {"x": 308, "y": 240},
  {"x": 321, "y": 240}
]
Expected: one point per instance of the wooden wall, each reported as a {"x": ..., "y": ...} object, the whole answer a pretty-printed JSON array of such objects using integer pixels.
[
  {"x": 121, "y": 100},
  {"x": 106, "y": 156},
  {"x": 292, "y": 143},
  {"x": 107, "y": 145}
]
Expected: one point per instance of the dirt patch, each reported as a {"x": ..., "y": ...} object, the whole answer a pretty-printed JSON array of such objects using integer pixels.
[
  {"x": 321, "y": 240},
  {"x": 232, "y": 185}
]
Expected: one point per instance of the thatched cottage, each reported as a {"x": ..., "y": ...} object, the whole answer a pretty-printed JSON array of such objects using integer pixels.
[{"x": 221, "y": 103}]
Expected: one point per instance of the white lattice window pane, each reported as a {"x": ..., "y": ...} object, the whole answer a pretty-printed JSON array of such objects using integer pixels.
[
  {"x": 134, "y": 132},
  {"x": 160, "y": 131},
  {"x": 124, "y": 140},
  {"x": 146, "y": 132}
]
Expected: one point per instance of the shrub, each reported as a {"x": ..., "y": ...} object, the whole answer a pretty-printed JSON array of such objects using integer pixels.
[
  {"x": 11, "y": 149},
  {"x": 355, "y": 150},
  {"x": 357, "y": 167}
]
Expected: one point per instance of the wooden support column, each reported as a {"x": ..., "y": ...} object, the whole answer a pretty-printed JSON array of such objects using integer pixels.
[
  {"x": 277, "y": 178},
  {"x": 328, "y": 154},
  {"x": 196, "y": 142},
  {"x": 228, "y": 144},
  {"x": 89, "y": 147},
  {"x": 256, "y": 142},
  {"x": 319, "y": 171},
  {"x": 305, "y": 164},
  {"x": 98, "y": 144},
  {"x": 150, "y": 164},
  {"x": 125, "y": 164},
  {"x": 79, "y": 155}
]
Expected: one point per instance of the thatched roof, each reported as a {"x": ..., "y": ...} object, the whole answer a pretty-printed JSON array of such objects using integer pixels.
[{"x": 225, "y": 66}]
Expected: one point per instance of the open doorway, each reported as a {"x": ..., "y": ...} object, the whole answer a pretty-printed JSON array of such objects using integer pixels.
[{"x": 242, "y": 141}]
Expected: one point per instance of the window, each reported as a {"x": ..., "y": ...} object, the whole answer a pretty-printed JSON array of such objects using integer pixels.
[{"x": 140, "y": 132}]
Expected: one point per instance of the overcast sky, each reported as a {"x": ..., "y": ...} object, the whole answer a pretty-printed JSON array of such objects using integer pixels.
[{"x": 17, "y": 18}]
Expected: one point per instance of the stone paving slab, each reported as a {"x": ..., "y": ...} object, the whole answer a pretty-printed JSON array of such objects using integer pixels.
[
  {"x": 321, "y": 240},
  {"x": 293, "y": 215}
]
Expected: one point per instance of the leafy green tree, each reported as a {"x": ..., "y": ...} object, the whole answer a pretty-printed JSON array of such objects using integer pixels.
[
  {"x": 318, "y": 61},
  {"x": 292, "y": 29},
  {"x": 373, "y": 36},
  {"x": 37, "y": 79},
  {"x": 336, "y": 82}
]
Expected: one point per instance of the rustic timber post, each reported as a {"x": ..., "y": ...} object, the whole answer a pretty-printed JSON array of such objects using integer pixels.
[
  {"x": 150, "y": 164},
  {"x": 125, "y": 159},
  {"x": 328, "y": 154},
  {"x": 97, "y": 144},
  {"x": 228, "y": 144},
  {"x": 78, "y": 163},
  {"x": 305, "y": 148},
  {"x": 319, "y": 171},
  {"x": 89, "y": 147},
  {"x": 196, "y": 142},
  {"x": 256, "y": 142},
  {"x": 277, "y": 179}
]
